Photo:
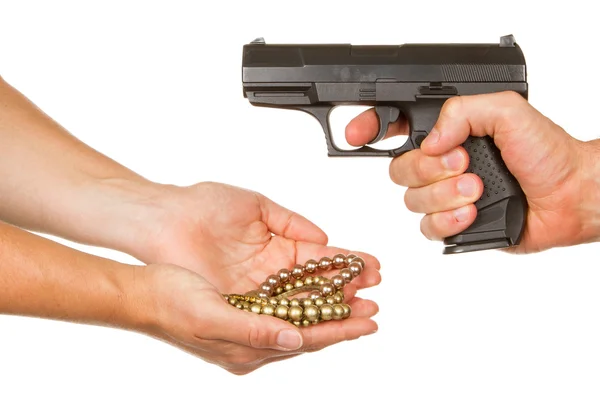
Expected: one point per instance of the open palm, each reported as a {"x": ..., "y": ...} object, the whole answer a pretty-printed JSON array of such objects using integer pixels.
[{"x": 235, "y": 238}]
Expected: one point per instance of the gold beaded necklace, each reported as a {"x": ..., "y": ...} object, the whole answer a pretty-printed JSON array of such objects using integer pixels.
[{"x": 325, "y": 298}]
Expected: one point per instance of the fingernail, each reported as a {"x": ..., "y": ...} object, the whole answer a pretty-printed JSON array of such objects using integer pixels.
[
  {"x": 432, "y": 138},
  {"x": 289, "y": 339},
  {"x": 453, "y": 161},
  {"x": 466, "y": 186},
  {"x": 461, "y": 214}
]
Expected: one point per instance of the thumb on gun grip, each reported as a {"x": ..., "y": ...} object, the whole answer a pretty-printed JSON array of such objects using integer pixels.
[{"x": 494, "y": 114}]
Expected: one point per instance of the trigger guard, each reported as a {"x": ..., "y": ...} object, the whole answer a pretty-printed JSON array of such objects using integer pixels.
[{"x": 387, "y": 115}]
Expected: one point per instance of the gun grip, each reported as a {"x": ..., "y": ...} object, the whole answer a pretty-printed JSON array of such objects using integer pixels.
[{"x": 501, "y": 209}]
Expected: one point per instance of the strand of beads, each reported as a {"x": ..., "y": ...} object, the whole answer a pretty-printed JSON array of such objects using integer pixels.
[{"x": 325, "y": 298}]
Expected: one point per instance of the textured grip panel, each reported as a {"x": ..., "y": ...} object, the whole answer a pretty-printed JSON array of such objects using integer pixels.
[
  {"x": 487, "y": 163},
  {"x": 501, "y": 209}
]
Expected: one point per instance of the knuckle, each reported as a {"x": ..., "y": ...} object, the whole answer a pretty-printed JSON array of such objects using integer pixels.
[
  {"x": 512, "y": 108},
  {"x": 256, "y": 338},
  {"x": 512, "y": 97},
  {"x": 409, "y": 200},
  {"x": 421, "y": 169},
  {"x": 394, "y": 170},
  {"x": 437, "y": 192},
  {"x": 425, "y": 227},
  {"x": 452, "y": 107}
]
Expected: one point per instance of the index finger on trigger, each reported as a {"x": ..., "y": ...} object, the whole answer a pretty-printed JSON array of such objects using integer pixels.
[{"x": 364, "y": 127}]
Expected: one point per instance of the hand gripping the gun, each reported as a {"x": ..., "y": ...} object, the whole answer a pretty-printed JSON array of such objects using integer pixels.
[{"x": 412, "y": 79}]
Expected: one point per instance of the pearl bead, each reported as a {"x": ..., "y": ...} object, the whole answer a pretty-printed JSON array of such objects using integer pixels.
[
  {"x": 311, "y": 266},
  {"x": 311, "y": 313},
  {"x": 360, "y": 261},
  {"x": 284, "y": 275},
  {"x": 347, "y": 311},
  {"x": 295, "y": 313},
  {"x": 327, "y": 289},
  {"x": 273, "y": 280},
  {"x": 346, "y": 274},
  {"x": 298, "y": 272},
  {"x": 268, "y": 309},
  {"x": 281, "y": 312},
  {"x": 338, "y": 297},
  {"x": 325, "y": 264},
  {"x": 338, "y": 281},
  {"x": 338, "y": 261},
  {"x": 255, "y": 308},
  {"x": 263, "y": 294},
  {"x": 324, "y": 304},
  {"x": 355, "y": 268},
  {"x": 307, "y": 302},
  {"x": 338, "y": 311},
  {"x": 266, "y": 287},
  {"x": 326, "y": 312}
]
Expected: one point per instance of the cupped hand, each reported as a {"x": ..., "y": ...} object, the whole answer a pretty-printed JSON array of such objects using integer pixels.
[
  {"x": 190, "y": 313},
  {"x": 552, "y": 167},
  {"x": 235, "y": 238}
]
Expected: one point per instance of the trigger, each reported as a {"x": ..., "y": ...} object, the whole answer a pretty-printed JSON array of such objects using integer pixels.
[{"x": 387, "y": 115}]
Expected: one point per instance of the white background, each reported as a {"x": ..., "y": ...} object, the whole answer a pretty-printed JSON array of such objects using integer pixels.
[{"x": 157, "y": 86}]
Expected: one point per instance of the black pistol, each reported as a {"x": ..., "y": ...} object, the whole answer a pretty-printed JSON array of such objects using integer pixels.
[{"x": 412, "y": 79}]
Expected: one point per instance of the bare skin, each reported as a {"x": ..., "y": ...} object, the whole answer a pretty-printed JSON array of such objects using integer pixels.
[
  {"x": 196, "y": 242},
  {"x": 558, "y": 173}
]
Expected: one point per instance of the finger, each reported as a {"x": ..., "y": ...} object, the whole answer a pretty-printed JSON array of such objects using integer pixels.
[
  {"x": 362, "y": 308},
  {"x": 417, "y": 169},
  {"x": 364, "y": 127},
  {"x": 499, "y": 115},
  {"x": 322, "y": 335},
  {"x": 447, "y": 223},
  {"x": 445, "y": 195},
  {"x": 289, "y": 224},
  {"x": 349, "y": 292},
  {"x": 251, "y": 330}
]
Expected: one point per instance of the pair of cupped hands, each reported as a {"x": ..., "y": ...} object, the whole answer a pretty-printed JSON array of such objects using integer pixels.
[{"x": 216, "y": 239}]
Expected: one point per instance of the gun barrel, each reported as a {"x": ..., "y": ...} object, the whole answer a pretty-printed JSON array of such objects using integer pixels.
[{"x": 346, "y": 63}]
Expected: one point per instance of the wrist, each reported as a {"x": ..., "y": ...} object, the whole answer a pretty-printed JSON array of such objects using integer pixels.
[
  {"x": 590, "y": 191},
  {"x": 138, "y": 310},
  {"x": 118, "y": 214}
]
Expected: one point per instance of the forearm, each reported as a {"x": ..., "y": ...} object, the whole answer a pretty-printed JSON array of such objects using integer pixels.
[
  {"x": 53, "y": 183},
  {"x": 41, "y": 278}
]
